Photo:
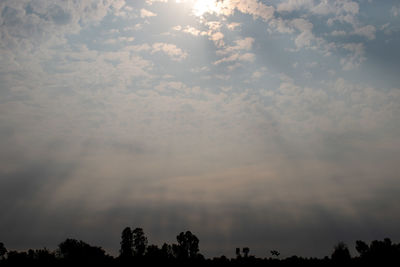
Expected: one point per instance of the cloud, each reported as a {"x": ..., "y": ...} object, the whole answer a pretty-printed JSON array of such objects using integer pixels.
[
  {"x": 150, "y": 2},
  {"x": 338, "y": 33},
  {"x": 336, "y": 7},
  {"x": 144, "y": 13},
  {"x": 354, "y": 60},
  {"x": 232, "y": 26},
  {"x": 367, "y": 31},
  {"x": 280, "y": 25},
  {"x": 249, "y": 57},
  {"x": 217, "y": 38},
  {"x": 171, "y": 50},
  {"x": 43, "y": 23},
  {"x": 306, "y": 37},
  {"x": 233, "y": 53},
  {"x": 259, "y": 73},
  {"x": 292, "y": 5},
  {"x": 256, "y": 8},
  {"x": 241, "y": 44},
  {"x": 395, "y": 11},
  {"x": 193, "y": 31}
]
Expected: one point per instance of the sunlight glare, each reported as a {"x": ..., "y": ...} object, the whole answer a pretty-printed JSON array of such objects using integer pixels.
[{"x": 200, "y": 7}]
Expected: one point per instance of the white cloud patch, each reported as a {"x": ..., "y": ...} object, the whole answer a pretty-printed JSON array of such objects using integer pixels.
[
  {"x": 193, "y": 31},
  {"x": 144, "y": 13},
  {"x": 234, "y": 25},
  {"x": 171, "y": 50},
  {"x": 249, "y": 57},
  {"x": 234, "y": 53},
  {"x": 217, "y": 38},
  {"x": 256, "y": 8},
  {"x": 241, "y": 44},
  {"x": 306, "y": 37}
]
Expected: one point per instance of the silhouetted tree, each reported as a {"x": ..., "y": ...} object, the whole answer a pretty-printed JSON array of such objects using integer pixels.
[
  {"x": 3, "y": 251},
  {"x": 167, "y": 251},
  {"x": 341, "y": 253},
  {"x": 17, "y": 258},
  {"x": 188, "y": 245},
  {"x": 153, "y": 252},
  {"x": 139, "y": 242},
  {"x": 79, "y": 251},
  {"x": 44, "y": 255},
  {"x": 383, "y": 251},
  {"x": 246, "y": 251},
  {"x": 275, "y": 253},
  {"x": 126, "y": 250},
  {"x": 237, "y": 252},
  {"x": 362, "y": 248}
]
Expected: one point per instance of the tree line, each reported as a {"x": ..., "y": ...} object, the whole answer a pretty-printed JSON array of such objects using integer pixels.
[{"x": 135, "y": 250}]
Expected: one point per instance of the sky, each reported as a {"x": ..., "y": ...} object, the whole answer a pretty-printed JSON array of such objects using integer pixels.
[{"x": 261, "y": 124}]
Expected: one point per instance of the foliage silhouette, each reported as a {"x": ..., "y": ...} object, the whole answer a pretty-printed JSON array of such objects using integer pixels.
[
  {"x": 126, "y": 250},
  {"x": 246, "y": 251},
  {"x": 3, "y": 251},
  {"x": 237, "y": 252},
  {"x": 188, "y": 245},
  {"x": 72, "y": 250},
  {"x": 362, "y": 248},
  {"x": 275, "y": 253},
  {"x": 139, "y": 242},
  {"x": 341, "y": 253}
]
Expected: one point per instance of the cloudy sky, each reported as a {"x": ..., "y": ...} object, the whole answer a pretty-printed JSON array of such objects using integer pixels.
[{"x": 268, "y": 124}]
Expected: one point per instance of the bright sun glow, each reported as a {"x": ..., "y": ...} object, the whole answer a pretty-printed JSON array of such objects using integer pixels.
[
  {"x": 203, "y": 6},
  {"x": 200, "y": 7}
]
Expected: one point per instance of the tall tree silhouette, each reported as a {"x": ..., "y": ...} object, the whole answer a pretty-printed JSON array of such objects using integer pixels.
[
  {"x": 188, "y": 245},
  {"x": 126, "y": 250},
  {"x": 246, "y": 251},
  {"x": 139, "y": 242},
  {"x": 237, "y": 252}
]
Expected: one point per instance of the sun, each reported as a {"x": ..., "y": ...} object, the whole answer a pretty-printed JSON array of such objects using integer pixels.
[{"x": 200, "y": 7}]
